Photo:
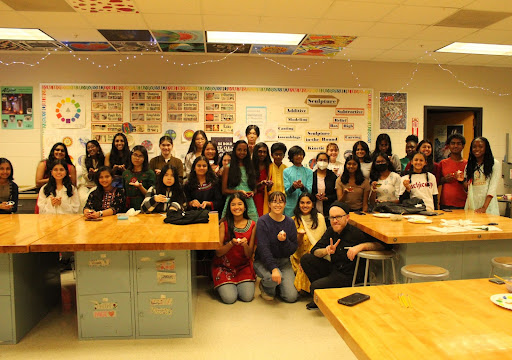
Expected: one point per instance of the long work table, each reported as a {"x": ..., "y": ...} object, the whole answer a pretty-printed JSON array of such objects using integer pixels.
[
  {"x": 467, "y": 255},
  {"x": 134, "y": 277},
  {"x": 439, "y": 320}
]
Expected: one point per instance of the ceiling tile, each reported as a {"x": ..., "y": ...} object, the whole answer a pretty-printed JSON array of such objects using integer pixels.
[
  {"x": 14, "y": 19},
  {"x": 501, "y": 61},
  {"x": 4, "y": 7},
  {"x": 116, "y": 21},
  {"x": 231, "y": 23},
  {"x": 448, "y": 34},
  {"x": 169, "y": 7},
  {"x": 357, "y": 11},
  {"x": 104, "y": 6},
  {"x": 491, "y": 5},
  {"x": 405, "y": 55},
  {"x": 340, "y": 27},
  {"x": 232, "y": 7},
  {"x": 418, "y": 15},
  {"x": 89, "y": 46},
  {"x": 296, "y": 8},
  {"x": 358, "y": 54},
  {"x": 424, "y": 45},
  {"x": 374, "y": 43},
  {"x": 439, "y": 3},
  {"x": 39, "y": 5},
  {"x": 400, "y": 31},
  {"x": 473, "y": 60},
  {"x": 55, "y": 19},
  {"x": 127, "y": 35},
  {"x": 166, "y": 21},
  {"x": 380, "y": 1},
  {"x": 135, "y": 46},
  {"x": 441, "y": 58},
  {"x": 489, "y": 37},
  {"x": 287, "y": 25},
  {"x": 505, "y": 24},
  {"x": 74, "y": 34}
]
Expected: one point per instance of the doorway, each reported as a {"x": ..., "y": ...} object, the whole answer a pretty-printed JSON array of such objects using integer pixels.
[{"x": 442, "y": 121}]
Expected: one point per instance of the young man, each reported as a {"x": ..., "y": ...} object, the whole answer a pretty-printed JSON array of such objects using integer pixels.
[
  {"x": 341, "y": 242},
  {"x": 411, "y": 142},
  {"x": 275, "y": 170},
  {"x": 453, "y": 195}
]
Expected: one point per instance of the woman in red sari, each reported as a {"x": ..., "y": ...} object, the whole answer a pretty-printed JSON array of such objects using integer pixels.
[
  {"x": 261, "y": 162},
  {"x": 232, "y": 268}
]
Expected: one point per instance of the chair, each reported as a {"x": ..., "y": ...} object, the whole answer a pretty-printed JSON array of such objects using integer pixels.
[
  {"x": 375, "y": 255},
  {"x": 424, "y": 272},
  {"x": 502, "y": 262}
]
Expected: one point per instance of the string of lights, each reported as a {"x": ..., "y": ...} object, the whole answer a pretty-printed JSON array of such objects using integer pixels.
[{"x": 24, "y": 63}]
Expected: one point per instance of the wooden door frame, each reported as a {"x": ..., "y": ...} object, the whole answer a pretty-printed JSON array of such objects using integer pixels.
[{"x": 477, "y": 122}]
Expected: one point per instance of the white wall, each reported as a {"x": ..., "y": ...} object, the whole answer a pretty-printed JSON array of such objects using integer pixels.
[{"x": 430, "y": 86}]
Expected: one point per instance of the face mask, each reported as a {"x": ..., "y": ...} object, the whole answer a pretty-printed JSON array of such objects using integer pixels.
[
  {"x": 322, "y": 165},
  {"x": 381, "y": 167}
]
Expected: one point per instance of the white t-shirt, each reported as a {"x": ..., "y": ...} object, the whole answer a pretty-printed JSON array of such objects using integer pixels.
[
  {"x": 389, "y": 189},
  {"x": 421, "y": 188},
  {"x": 365, "y": 169}
]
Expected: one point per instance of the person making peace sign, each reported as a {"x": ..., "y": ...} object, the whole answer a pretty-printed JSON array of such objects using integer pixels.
[{"x": 330, "y": 262}]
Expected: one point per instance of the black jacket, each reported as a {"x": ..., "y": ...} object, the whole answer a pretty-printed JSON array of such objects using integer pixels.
[{"x": 330, "y": 191}]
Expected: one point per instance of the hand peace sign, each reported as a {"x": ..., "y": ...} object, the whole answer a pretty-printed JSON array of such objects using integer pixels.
[{"x": 331, "y": 249}]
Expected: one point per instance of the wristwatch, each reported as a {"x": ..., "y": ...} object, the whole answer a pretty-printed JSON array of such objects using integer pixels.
[{"x": 101, "y": 213}]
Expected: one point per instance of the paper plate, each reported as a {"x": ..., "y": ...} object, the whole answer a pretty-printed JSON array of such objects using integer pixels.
[
  {"x": 420, "y": 221},
  {"x": 415, "y": 216},
  {"x": 382, "y": 215},
  {"x": 503, "y": 300}
]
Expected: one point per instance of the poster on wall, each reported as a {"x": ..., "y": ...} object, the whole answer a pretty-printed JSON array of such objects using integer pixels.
[
  {"x": 17, "y": 108},
  {"x": 68, "y": 111},
  {"x": 393, "y": 111}
]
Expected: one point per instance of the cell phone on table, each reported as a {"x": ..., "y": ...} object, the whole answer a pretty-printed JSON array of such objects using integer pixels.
[
  {"x": 359, "y": 213},
  {"x": 446, "y": 210},
  {"x": 97, "y": 219},
  {"x": 353, "y": 299},
  {"x": 497, "y": 281}
]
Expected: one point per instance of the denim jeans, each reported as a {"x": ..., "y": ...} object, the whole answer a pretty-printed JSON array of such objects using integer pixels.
[
  {"x": 286, "y": 289},
  {"x": 230, "y": 292}
]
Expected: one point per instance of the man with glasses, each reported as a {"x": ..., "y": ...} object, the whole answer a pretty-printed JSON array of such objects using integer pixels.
[{"x": 330, "y": 263}]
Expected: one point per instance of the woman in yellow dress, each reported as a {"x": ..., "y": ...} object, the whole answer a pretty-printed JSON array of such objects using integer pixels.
[{"x": 310, "y": 228}]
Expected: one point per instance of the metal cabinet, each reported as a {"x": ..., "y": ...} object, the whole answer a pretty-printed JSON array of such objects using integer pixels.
[
  {"x": 6, "y": 329},
  {"x": 100, "y": 272},
  {"x": 161, "y": 270}
]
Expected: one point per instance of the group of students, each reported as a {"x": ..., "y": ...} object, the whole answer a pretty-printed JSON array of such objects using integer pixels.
[{"x": 273, "y": 216}]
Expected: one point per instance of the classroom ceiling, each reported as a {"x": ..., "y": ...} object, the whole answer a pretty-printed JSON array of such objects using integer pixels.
[{"x": 372, "y": 30}]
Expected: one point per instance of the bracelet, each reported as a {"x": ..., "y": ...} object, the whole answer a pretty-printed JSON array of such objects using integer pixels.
[{"x": 101, "y": 213}]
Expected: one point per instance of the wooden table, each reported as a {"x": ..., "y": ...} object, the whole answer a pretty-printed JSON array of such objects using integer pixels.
[
  {"x": 466, "y": 255},
  {"x": 447, "y": 320}
]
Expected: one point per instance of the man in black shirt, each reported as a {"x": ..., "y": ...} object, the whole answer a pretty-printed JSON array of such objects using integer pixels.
[{"x": 330, "y": 263}]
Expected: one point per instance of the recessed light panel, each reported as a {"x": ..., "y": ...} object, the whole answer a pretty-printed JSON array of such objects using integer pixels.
[
  {"x": 23, "y": 34},
  {"x": 228, "y": 37},
  {"x": 475, "y": 48}
]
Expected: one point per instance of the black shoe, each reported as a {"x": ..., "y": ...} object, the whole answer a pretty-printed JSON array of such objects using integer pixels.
[{"x": 311, "y": 306}]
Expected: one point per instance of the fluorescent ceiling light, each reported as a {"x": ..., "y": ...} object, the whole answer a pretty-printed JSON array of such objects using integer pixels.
[
  {"x": 23, "y": 34},
  {"x": 475, "y": 48},
  {"x": 229, "y": 37}
]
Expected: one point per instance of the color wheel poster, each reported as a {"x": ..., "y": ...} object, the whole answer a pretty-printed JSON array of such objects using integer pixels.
[
  {"x": 66, "y": 111},
  {"x": 17, "y": 108}
]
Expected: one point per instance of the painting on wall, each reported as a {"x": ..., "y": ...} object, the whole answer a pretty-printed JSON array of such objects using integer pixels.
[{"x": 393, "y": 111}]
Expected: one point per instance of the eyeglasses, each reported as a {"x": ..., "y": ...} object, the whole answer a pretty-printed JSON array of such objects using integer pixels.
[
  {"x": 137, "y": 156},
  {"x": 336, "y": 218}
]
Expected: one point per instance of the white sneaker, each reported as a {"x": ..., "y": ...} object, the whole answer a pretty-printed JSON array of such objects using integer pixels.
[{"x": 264, "y": 295}]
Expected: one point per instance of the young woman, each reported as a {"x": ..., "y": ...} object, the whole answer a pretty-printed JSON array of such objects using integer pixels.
[
  {"x": 232, "y": 268},
  {"x": 118, "y": 158},
  {"x": 334, "y": 165},
  {"x": 261, "y": 162},
  {"x": 240, "y": 178},
  {"x": 383, "y": 144},
  {"x": 425, "y": 147},
  {"x": 195, "y": 149},
  {"x": 211, "y": 153},
  {"x": 277, "y": 241},
  {"x": 166, "y": 193},
  {"x": 94, "y": 159},
  {"x": 252, "y": 133},
  {"x": 59, "y": 195},
  {"x": 385, "y": 181},
  {"x": 483, "y": 172},
  {"x": 157, "y": 163},
  {"x": 352, "y": 188},
  {"x": 203, "y": 190},
  {"x": 411, "y": 142},
  {"x": 297, "y": 179},
  {"x": 59, "y": 151},
  {"x": 419, "y": 183},
  {"x": 362, "y": 151},
  {"x": 8, "y": 188},
  {"x": 276, "y": 168},
  {"x": 105, "y": 200},
  {"x": 138, "y": 177},
  {"x": 310, "y": 225},
  {"x": 224, "y": 161},
  {"x": 324, "y": 182}
]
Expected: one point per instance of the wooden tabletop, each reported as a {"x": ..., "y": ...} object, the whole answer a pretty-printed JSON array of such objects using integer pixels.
[
  {"x": 446, "y": 320},
  {"x": 142, "y": 232},
  {"x": 18, "y": 231},
  {"x": 400, "y": 232}
]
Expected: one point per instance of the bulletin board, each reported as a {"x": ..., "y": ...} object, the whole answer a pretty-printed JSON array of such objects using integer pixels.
[{"x": 309, "y": 117}]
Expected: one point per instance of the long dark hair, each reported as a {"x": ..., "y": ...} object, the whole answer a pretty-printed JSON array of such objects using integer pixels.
[
  {"x": 51, "y": 158},
  {"x": 374, "y": 174},
  {"x": 51, "y": 186},
  {"x": 488, "y": 163},
  {"x": 177, "y": 191},
  {"x": 367, "y": 157},
  {"x": 216, "y": 157},
  {"x": 423, "y": 171},
  {"x": 314, "y": 211},
  {"x": 192, "y": 147},
  {"x": 380, "y": 138},
  {"x": 6, "y": 161},
  {"x": 145, "y": 164},
  {"x": 100, "y": 156},
  {"x": 256, "y": 160},
  {"x": 230, "y": 219},
  {"x": 430, "y": 158},
  {"x": 235, "y": 174},
  {"x": 120, "y": 157},
  {"x": 210, "y": 174},
  {"x": 346, "y": 175}
]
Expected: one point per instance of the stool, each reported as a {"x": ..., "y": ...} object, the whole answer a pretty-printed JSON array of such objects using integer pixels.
[
  {"x": 375, "y": 255},
  {"x": 424, "y": 272},
  {"x": 503, "y": 262}
]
